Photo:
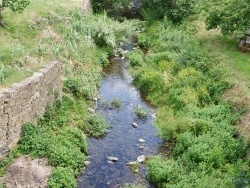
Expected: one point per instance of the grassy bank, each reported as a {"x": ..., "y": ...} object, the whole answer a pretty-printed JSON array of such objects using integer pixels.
[
  {"x": 188, "y": 85},
  {"x": 236, "y": 64},
  {"x": 55, "y": 30}
]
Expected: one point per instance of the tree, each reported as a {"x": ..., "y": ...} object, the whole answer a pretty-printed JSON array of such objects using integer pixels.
[
  {"x": 229, "y": 15},
  {"x": 174, "y": 10},
  {"x": 112, "y": 7},
  {"x": 14, "y": 5}
]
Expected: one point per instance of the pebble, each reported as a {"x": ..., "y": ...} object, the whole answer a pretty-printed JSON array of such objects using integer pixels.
[
  {"x": 141, "y": 158},
  {"x": 113, "y": 159},
  {"x": 134, "y": 125},
  {"x": 87, "y": 163},
  {"x": 141, "y": 147},
  {"x": 132, "y": 163},
  {"x": 141, "y": 140}
]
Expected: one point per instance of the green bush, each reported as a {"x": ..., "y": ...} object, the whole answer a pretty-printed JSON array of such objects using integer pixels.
[
  {"x": 186, "y": 86},
  {"x": 150, "y": 82},
  {"x": 116, "y": 103},
  {"x": 174, "y": 10},
  {"x": 62, "y": 178},
  {"x": 136, "y": 58},
  {"x": 44, "y": 142},
  {"x": 73, "y": 86},
  {"x": 164, "y": 171},
  {"x": 140, "y": 112},
  {"x": 95, "y": 125}
]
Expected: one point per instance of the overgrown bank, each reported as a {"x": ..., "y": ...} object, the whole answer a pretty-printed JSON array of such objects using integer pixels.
[
  {"x": 83, "y": 44},
  {"x": 186, "y": 85}
]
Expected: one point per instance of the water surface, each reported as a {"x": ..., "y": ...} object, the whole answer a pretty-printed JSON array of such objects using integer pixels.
[{"x": 122, "y": 139}]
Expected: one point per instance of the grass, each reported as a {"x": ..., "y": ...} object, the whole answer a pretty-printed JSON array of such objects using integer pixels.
[
  {"x": 236, "y": 64},
  {"x": 19, "y": 40},
  {"x": 191, "y": 112},
  {"x": 140, "y": 112},
  {"x": 225, "y": 48}
]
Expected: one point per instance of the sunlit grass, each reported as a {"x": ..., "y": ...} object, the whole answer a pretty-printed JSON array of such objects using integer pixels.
[{"x": 19, "y": 39}]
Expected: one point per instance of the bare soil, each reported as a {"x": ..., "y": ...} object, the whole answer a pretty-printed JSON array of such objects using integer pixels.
[{"x": 27, "y": 173}]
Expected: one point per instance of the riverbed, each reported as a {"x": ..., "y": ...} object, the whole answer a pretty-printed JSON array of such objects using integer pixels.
[{"x": 122, "y": 141}]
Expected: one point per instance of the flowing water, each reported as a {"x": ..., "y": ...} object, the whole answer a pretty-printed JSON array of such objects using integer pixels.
[{"x": 122, "y": 141}]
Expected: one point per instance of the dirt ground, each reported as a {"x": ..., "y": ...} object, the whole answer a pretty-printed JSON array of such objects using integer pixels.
[{"x": 27, "y": 173}]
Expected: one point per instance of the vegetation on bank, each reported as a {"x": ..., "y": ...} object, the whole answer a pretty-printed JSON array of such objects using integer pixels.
[
  {"x": 176, "y": 74},
  {"x": 186, "y": 84},
  {"x": 83, "y": 44}
]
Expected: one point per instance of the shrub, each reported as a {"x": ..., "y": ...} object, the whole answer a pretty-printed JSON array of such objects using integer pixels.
[
  {"x": 73, "y": 86},
  {"x": 95, "y": 125},
  {"x": 62, "y": 178},
  {"x": 164, "y": 171},
  {"x": 136, "y": 58},
  {"x": 150, "y": 82},
  {"x": 140, "y": 112},
  {"x": 116, "y": 103}
]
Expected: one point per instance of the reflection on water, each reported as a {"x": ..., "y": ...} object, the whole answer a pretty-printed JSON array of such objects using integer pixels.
[{"x": 122, "y": 139}]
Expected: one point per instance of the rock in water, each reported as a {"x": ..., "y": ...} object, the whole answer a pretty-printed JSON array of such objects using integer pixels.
[
  {"x": 87, "y": 163},
  {"x": 132, "y": 163},
  {"x": 141, "y": 140},
  {"x": 114, "y": 159},
  {"x": 135, "y": 125},
  {"x": 141, "y": 158}
]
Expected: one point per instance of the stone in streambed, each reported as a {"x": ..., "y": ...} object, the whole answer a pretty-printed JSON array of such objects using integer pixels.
[
  {"x": 141, "y": 140},
  {"x": 134, "y": 125},
  {"x": 141, "y": 158},
  {"x": 113, "y": 159}
]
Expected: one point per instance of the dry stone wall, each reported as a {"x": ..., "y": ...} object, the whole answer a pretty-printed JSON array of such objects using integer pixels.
[{"x": 26, "y": 101}]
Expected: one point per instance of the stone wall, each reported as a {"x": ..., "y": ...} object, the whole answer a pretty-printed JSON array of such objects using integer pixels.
[{"x": 26, "y": 101}]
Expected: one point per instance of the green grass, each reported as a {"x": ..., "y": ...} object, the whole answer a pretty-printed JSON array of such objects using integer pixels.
[
  {"x": 186, "y": 82},
  {"x": 19, "y": 39},
  {"x": 225, "y": 49}
]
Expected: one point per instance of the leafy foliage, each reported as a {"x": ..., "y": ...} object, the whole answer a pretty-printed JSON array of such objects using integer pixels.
[
  {"x": 95, "y": 125},
  {"x": 186, "y": 85},
  {"x": 174, "y": 10},
  {"x": 61, "y": 178},
  {"x": 140, "y": 112},
  {"x": 14, "y": 5},
  {"x": 228, "y": 15},
  {"x": 112, "y": 7},
  {"x": 136, "y": 58}
]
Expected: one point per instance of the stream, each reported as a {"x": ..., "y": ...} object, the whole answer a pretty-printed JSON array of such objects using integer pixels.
[{"x": 122, "y": 141}]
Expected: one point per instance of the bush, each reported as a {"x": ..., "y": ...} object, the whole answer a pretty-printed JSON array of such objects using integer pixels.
[
  {"x": 140, "y": 112},
  {"x": 116, "y": 103},
  {"x": 95, "y": 125},
  {"x": 164, "y": 171},
  {"x": 62, "y": 178},
  {"x": 150, "y": 82},
  {"x": 136, "y": 58},
  {"x": 73, "y": 86}
]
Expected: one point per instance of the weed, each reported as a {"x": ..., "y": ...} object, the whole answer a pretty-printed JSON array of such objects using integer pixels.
[
  {"x": 95, "y": 125},
  {"x": 61, "y": 177},
  {"x": 116, "y": 103},
  {"x": 136, "y": 58},
  {"x": 135, "y": 167},
  {"x": 140, "y": 112},
  {"x": 4, "y": 73},
  {"x": 186, "y": 84}
]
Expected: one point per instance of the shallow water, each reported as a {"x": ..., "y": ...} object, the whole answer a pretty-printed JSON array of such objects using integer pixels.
[{"x": 122, "y": 139}]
